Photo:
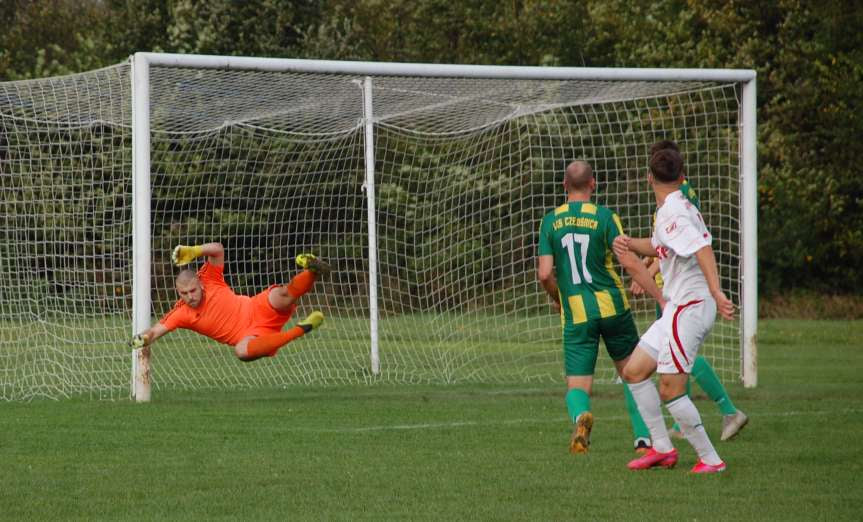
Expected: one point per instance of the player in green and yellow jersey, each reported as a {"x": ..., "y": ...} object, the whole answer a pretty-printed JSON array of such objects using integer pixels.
[
  {"x": 576, "y": 269},
  {"x": 733, "y": 419}
]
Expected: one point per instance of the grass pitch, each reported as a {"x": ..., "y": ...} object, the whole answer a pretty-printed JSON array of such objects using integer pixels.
[{"x": 448, "y": 452}]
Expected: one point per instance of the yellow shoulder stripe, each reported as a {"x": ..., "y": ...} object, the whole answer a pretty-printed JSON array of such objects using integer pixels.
[
  {"x": 561, "y": 209},
  {"x": 617, "y": 222}
]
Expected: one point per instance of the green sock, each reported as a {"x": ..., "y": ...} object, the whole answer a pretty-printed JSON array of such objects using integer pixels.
[
  {"x": 709, "y": 382},
  {"x": 577, "y": 401},
  {"x": 639, "y": 428}
]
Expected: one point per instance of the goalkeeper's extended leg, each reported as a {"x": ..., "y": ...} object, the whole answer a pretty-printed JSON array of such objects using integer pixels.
[
  {"x": 305, "y": 280},
  {"x": 283, "y": 298},
  {"x": 269, "y": 345}
]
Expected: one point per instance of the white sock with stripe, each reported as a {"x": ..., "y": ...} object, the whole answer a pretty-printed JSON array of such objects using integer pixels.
[
  {"x": 687, "y": 416},
  {"x": 647, "y": 399}
]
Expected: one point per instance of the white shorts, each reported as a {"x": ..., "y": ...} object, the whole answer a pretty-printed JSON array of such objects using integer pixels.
[{"x": 673, "y": 339}]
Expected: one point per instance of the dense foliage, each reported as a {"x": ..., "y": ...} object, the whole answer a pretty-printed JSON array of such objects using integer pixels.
[{"x": 808, "y": 55}]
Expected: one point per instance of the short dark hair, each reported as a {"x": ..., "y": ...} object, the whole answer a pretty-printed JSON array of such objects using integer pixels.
[
  {"x": 663, "y": 145},
  {"x": 666, "y": 165}
]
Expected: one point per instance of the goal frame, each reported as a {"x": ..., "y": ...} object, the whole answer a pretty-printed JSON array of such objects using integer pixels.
[{"x": 140, "y": 80}]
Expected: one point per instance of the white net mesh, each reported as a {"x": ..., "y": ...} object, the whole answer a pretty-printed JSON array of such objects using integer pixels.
[
  {"x": 65, "y": 163},
  {"x": 273, "y": 164}
]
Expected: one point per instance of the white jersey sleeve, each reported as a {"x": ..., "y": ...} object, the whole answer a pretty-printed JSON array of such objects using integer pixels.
[{"x": 682, "y": 232}]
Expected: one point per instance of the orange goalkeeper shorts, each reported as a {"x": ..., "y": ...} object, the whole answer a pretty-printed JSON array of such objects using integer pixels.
[{"x": 265, "y": 318}]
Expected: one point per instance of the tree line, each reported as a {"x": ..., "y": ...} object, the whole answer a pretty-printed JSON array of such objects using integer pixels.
[{"x": 808, "y": 56}]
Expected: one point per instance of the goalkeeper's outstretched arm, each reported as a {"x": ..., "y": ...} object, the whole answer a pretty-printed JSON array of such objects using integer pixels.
[
  {"x": 183, "y": 255},
  {"x": 149, "y": 336}
]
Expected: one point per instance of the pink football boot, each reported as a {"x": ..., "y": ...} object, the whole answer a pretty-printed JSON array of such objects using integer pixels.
[
  {"x": 701, "y": 467},
  {"x": 653, "y": 459}
]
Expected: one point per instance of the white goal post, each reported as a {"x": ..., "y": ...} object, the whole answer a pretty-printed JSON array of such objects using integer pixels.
[
  {"x": 422, "y": 184},
  {"x": 367, "y": 71}
]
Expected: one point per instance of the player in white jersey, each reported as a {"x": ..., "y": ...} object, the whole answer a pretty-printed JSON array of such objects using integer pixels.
[
  {"x": 679, "y": 233},
  {"x": 688, "y": 266}
]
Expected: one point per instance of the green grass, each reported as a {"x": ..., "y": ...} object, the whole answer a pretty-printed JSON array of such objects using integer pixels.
[
  {"x": 89, "y": 357},
  {"x": 435, "y": 453}
]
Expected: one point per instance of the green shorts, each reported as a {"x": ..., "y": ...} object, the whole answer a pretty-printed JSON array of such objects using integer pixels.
[{"x": 581, "y": 342}]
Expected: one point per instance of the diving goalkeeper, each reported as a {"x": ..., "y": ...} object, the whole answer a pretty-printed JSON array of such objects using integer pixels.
[{"x": 252, "y": 325}]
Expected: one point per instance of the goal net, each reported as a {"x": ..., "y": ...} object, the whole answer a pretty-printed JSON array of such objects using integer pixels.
[{"x": 433, "y": 264}]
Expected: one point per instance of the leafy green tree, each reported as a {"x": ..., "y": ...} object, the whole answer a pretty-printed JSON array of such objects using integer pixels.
[
  {"x": 50, "y": 38},
  {"x": 808, "y": 55},
  {"x": 253, "y": 28},
  {"x": 516, "y": 32},
  {"x": 136, "y": 25}
]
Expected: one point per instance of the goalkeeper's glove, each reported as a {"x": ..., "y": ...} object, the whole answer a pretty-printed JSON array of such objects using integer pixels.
[
  {"x": 139, "y": 341},
  {"x": 183, "y": 255}
]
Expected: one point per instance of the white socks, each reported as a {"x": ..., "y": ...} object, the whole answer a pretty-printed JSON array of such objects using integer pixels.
[
  {"x": 684, "y": 412},
  {"x": 686, "y": 415},
  {"x": 647, "y": 399}
]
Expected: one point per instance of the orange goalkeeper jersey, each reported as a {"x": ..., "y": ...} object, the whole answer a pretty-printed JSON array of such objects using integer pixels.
[{"x": 222, "y": 315}]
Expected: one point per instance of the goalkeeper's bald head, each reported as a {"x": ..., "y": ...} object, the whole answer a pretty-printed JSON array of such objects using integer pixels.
[
  {"x": 190, "y": 289},
  {"x": 185, "y": 277}
]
